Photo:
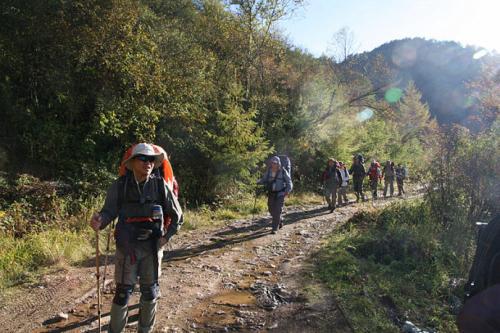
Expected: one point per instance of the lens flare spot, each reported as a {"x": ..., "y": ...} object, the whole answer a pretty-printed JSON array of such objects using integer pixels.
[
  {"x": 404, "y": 56},
  {"x": 469, "y": 101},
  {"x": 393, "y": 95},
  {"x": 479, "y": 54},
  {"x": 364, "y": 115}
]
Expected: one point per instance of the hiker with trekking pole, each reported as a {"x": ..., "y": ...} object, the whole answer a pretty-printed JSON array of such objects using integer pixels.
[
  {"x": 358, "y": 173},
  {"x": 278, "y": 184},
  {"x": 375, "y": 176},
  {"x": 342, "y": 189},
  {"x": 388, "y": 173},
  {"x": 148, "y": 215},
  {"x": 400, "y": 177},
  {"x": 332, "y": 179}
]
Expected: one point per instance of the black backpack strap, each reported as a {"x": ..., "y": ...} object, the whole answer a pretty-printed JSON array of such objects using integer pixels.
[
  {"x": 160, "y": 188},
  {"x": 122, "y": 189}
]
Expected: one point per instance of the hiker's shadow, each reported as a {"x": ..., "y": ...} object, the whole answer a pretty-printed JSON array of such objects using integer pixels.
[
  {"x": 289, "y": 218},
  {"x": 234, "y": 235},
  {"x": 189, "y": 252}
]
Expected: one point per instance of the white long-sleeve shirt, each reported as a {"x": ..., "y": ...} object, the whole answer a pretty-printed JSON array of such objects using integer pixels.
[{"x": 345, "y": 177}]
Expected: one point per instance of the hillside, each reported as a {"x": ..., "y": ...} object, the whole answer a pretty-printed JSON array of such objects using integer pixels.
[{"x": 440, "y": 70}]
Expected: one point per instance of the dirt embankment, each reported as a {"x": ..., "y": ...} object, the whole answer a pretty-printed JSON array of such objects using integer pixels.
[{"x": 234, "y": 278}]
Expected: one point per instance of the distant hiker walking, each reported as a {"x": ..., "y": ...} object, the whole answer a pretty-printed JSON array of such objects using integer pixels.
[
  {"x": 358, "y": 173},
  {"x": 143, "y": 202},
  {"x": 332, "y": 180},
  {"x": 400, "y": 178},
  {"x": 278, "y": 184},
  {"x": 374, "y": 174},
  {"x": 344, "y": 184},
  {"x": 388, "y": 174}
]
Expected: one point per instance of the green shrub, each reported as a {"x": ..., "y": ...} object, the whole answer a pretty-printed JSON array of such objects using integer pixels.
[{"x": 392, "y": 264}]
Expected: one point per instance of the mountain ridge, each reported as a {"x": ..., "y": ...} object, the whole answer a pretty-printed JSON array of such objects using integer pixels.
[{"x": 441, "y": 70}]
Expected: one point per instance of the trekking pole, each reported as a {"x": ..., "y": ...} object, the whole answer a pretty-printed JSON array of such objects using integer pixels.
[
  {"x": 323, "y": 195},
  {"x": 254, "y": 204},
  {"x": 98, "y": 282},
  {"x": 106, "y": 255}
]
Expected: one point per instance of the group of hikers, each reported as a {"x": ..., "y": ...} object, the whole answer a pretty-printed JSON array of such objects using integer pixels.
[
  {"x": 278, "y": 183},
  {"x": 144, "y": 200},
  {"x": 336, "y": 179}
]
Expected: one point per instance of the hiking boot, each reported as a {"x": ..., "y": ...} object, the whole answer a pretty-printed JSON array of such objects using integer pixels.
[
  {"x": 274, "y": 231},
  {"x": 332, "y": 209},
  {"x": 280, "y": 225}
]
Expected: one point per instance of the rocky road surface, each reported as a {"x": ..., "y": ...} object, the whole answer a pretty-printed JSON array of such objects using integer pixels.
[{"x": 238, "y": 277}]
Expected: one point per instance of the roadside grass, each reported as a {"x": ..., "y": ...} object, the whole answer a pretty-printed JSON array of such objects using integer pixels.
[
  {"x": 22, "y": 258},
  {"x": 386, "y": 267}
]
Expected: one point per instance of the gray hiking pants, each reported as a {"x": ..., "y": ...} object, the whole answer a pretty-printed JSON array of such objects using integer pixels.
[
  {"x": 275, "y": 203},
  {"x": 389, "y": 183},
  {"x": 373, "y": 187},
  {"x": 358, "y": 188},
  {"x": 400, "y": 183},
  {"x": 342, "y": 195},
  {"x": 331, "y": 195},
  {"x": 144, "y": 264}
]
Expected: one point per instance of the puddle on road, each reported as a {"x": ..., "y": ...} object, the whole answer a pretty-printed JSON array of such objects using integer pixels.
[
  {"x": 223, "y": 310},
  {"x": 234, "y": 298}
]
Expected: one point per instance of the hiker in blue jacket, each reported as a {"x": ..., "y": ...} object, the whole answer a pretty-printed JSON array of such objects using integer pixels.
[{"x": 278, "y": 184}]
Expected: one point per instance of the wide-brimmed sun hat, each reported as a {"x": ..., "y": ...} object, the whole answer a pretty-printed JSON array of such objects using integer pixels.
[{"x": 147, "y": 150}]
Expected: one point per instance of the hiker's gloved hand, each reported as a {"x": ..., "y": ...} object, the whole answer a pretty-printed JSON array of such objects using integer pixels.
[
  {"x": 170, "y": 233},
  {"x": 96, "y": 221},
  {"x": 156, "y": 232}
]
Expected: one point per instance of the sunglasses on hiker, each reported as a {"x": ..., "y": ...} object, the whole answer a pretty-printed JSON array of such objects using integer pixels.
[{"x": 145, "y": 158}]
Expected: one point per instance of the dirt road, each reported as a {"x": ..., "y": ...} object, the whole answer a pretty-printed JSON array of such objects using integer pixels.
[{"x": 235, "y": 278}]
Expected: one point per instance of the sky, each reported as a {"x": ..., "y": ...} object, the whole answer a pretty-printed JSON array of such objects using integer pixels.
[{"x": 375, "y": 22}]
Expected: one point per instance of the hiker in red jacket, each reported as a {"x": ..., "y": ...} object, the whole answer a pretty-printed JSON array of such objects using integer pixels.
[{"x": 374, "y": 175}]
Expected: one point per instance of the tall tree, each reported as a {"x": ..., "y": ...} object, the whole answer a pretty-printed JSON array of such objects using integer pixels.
[
  {"x": 413, "y": 116},
  {"x": 343, "y": 45}
]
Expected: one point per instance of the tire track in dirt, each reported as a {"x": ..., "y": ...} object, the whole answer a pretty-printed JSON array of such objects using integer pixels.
[{"x": 28, "y": 310}]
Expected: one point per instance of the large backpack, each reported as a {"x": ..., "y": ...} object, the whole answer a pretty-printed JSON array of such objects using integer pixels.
[
  {"x": 485, "y": 270},
  {"x": 374, "y": 171},
  {"x": 286, "y": 164}
]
